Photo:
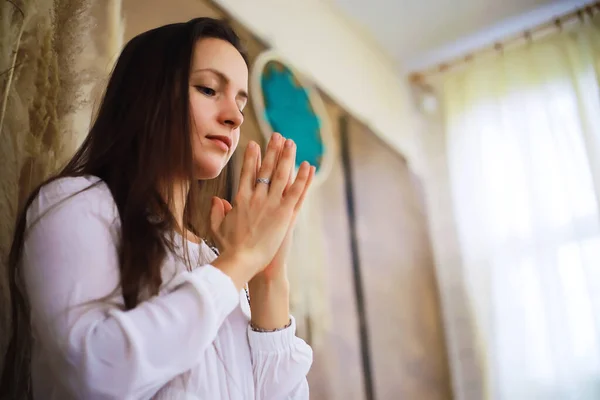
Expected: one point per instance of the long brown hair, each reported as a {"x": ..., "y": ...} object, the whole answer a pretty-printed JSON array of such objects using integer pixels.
[{"x": 140, "y": 140}]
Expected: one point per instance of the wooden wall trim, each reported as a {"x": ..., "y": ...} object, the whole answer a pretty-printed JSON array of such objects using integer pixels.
[{"x": 358, "y": 282}]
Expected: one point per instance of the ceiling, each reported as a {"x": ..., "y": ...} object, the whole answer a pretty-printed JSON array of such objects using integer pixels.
[{"x": 420, "y": 33}]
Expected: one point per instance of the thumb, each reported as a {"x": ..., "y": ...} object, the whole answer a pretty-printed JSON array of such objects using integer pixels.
[
  {"x": 217, "y": 213},
  {"x": 226, "y": 206}
]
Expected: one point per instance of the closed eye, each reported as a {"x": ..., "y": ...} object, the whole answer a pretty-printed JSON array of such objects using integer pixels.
[{"x": 206, "y": 91}]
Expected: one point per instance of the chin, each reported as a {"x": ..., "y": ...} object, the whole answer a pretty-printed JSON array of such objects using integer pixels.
[{"x": 209, "y": 168}]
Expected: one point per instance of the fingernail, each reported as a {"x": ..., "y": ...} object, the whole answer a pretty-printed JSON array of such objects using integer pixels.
[
  {"x": 276, "y": 136},
  {"x": 289, "y": 143}
]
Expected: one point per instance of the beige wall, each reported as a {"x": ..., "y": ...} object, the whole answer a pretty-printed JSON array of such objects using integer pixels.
[{"x": 314, "y": 36}]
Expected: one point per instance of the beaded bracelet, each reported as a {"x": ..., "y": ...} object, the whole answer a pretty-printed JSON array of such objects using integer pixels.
[{"x": 261, "y": 330}]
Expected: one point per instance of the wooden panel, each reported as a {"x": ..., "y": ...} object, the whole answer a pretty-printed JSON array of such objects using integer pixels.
[
  {"x": 408, "y": 352},
  {"x": 337, "y": 369}
]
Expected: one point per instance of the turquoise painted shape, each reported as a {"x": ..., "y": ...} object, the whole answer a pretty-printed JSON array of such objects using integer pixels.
[{"x": 289, "y": 112}]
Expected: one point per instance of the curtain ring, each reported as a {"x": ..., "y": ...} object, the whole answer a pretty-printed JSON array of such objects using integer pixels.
[
  {"x": 558, "y": 24},
  {"x": 528, "y": 37},
  {"x": 590, "y": 11},
  {"x": 499, "y": 47}
]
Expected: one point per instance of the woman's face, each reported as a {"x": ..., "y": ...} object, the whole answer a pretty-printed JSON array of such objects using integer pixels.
[{"x": 218, "y": 94}]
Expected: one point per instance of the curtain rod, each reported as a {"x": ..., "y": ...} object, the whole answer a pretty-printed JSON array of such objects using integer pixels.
[{"x": 556, "y": 23}]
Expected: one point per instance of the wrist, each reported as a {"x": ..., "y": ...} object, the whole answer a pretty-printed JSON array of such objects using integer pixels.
[
  {"x": 274, "y": 273},
  {"x": 270, "y": 286},
  {"x": 269, "y": 303},
  {"x": 235, "y": 265}
]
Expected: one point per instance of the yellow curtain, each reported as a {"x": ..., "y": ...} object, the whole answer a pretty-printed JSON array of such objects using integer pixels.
[{"x": 522, "y": 133}]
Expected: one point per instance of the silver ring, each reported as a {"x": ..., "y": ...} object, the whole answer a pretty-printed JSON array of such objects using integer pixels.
[{"x": 266, "y": 181}]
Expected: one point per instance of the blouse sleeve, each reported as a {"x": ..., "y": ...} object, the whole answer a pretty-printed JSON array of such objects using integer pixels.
[
  {"x": 280, "y": 363},
  {"x": 70, "y": 261}
]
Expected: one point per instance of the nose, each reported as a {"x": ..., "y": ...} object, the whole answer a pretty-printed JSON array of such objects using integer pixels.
[{"x": 230, "y": 114}]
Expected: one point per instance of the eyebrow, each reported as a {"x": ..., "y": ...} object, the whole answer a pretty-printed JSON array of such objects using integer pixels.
[{"x": 223, "y": 77}]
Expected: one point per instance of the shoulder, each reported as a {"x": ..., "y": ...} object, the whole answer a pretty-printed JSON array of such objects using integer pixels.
[{"x": 73, "y": 196}]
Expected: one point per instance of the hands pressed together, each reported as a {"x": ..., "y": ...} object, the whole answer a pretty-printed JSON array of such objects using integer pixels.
[{"x": 254, "y": 235}]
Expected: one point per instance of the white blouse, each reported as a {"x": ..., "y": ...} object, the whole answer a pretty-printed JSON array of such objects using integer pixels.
[{"x": 192, "y": 341}]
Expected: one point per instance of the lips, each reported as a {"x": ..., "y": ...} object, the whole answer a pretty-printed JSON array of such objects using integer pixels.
[{"x": 221, "y": 139}]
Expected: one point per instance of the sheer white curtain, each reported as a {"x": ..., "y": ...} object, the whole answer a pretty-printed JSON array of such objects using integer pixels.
[{"x": 523, "y": 143}]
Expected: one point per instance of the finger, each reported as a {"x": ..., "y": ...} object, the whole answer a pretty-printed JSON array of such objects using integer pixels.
[
  {"x": 311, "y": 175},
  {"x": 295, "y": 192},
  {"x": 280, "y": 153},
  {"x": 258, "y": 165},
  {"x": 284, "y": 168},
  {"x": 290, "y": 181},
  {"x": 226, "y": 206},
  {"x": 268, "y": 164},
  {"x": 217, "y": 214},
  {"x": 248, "y": 173},
  {"x": 279, "y": 156}
]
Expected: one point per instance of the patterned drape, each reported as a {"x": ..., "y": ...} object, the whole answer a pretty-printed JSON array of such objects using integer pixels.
[{"x": 51, "y": 62}]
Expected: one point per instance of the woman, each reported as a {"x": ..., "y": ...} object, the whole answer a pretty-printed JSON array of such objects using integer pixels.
[{"x": 115, "y": 294}]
